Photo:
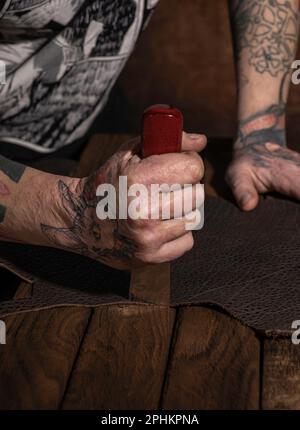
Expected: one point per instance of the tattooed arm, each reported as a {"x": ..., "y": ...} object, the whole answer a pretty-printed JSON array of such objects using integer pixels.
[
  {"x": 28, "y": 197},
  {"x": 265, "y": 34},
  {"x": 48, "y": 210}
]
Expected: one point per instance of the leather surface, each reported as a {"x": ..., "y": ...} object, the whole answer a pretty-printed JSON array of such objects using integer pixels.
[
  {"x": 61, "y": 278},
  {"x": 246, "y": 263}
]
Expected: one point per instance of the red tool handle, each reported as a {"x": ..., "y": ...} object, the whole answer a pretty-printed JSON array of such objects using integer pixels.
[{"x": 162, "y": 130}]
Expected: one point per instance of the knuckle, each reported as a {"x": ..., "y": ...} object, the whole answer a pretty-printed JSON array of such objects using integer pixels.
[
  {"x": 196, "y": 168},
  {"x": 134, "y": 177},
  {"x": 149, "y": 240},
  {"x": 142, "y": 224},
  {"x": 146, "y": 258},
  {"x": 189, "y": 242},
  {"x": 229, "y": 176},
  {"x": 139, "y": 224},
  {"x": 204, "y": 138}
]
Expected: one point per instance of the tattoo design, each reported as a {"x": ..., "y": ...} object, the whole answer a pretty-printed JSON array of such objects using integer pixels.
[
  {"x": 268, "y": 29},
  {"x": 84, "y": 235},
  {"x": 264, "y": 126},
  {"x": 263, "y": 155},
  {"x": 12, "y": 169}
]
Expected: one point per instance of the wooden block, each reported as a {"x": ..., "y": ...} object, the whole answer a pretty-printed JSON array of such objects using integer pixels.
[
  {"x": 281, "y": 375},
  {"x": 37, "y": 359},
  {"x": 24, "y": 290},
  {"x": 214, "y": 363},
  {"x": 123, "y": 359},
  {"x": 151, "y": 284}
]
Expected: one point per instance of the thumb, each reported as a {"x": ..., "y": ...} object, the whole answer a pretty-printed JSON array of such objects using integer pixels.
[
  {"x": 243, "y": 189},
  {"x": 193, "y": 142}
]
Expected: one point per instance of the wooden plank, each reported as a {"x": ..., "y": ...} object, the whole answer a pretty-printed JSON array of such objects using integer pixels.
[
  {"x": 281, "y": 375},
  {"x": 151, "y": 284},
  {"x": 38, "y": 357},
  {"x": 214, "y": 363},
  {"x": 123, "y": 359}
]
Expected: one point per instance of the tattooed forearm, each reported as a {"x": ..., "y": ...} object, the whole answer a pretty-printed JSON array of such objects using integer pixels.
[
  {"x": 265, "y": 34},
  {"x": 261, "y": 127},
  {"x": 267, "y": 30}
]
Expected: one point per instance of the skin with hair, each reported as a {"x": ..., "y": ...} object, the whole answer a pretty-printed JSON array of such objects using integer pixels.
[{"x": 265, "y": 35}]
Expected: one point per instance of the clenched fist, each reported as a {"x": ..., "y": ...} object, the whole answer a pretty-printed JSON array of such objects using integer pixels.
[{"x": 125, "y": 243}]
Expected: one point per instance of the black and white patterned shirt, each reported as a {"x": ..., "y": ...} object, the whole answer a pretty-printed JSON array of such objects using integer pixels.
[{"x": 62, "y": 58}]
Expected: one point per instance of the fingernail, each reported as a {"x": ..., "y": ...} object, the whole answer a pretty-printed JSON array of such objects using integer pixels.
[
  {"x": 195, "y": 136},
  {"x": 245, "y": 199}
]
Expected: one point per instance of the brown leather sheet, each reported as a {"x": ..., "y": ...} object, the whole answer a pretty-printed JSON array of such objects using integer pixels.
[
  {"x": 245, "y": 263},
  {"x": 61, "y": 278}
]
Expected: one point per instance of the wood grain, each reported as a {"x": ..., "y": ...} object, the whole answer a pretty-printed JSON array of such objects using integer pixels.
[
  {"x": 24, "y": 290},
  {"x": 38, "y": 357},
  {"x": 281, "y": 375},
  {"x": 151, "y": 284},
  {"x": 123, "y": 359},
  {"x": 214, "y": 363}
]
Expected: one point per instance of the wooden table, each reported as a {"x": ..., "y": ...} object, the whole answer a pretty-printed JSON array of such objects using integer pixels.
[{"x": 142, "y": 356}]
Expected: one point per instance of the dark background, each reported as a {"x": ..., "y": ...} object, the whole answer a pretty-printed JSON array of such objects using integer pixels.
[{"x": 184, "y": 57}]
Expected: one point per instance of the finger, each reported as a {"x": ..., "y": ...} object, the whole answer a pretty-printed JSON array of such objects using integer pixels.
[
  {"x": 170, "y": 230},
  {"x": 180, "y": 168},
  {"x": 244, "y": 190},
  {"x": 181, "y": 202},
  {"x": 167, "y": 231},
  {"x": 193, "y": 142},
  {"x": 162, "y": 205},
  {"x": 171, "y": 250}
]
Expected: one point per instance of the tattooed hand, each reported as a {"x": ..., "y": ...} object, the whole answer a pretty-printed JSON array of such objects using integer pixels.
[
  {"x": 125, "y": 243},
  {"x": 265, "y": 35},
  {"x": 261, "y": 168}
]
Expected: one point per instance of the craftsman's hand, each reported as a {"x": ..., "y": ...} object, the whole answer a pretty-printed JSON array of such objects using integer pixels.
[
  {"x": 124, "y": 243},
  {"x": 261, "y": 168}
]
